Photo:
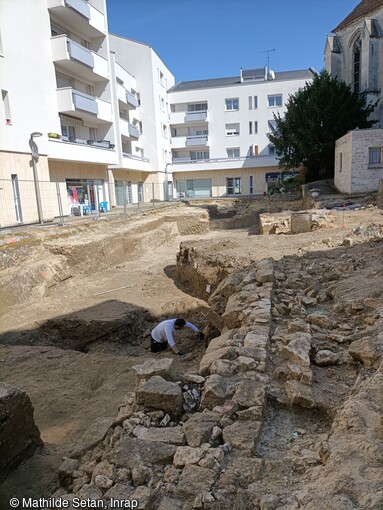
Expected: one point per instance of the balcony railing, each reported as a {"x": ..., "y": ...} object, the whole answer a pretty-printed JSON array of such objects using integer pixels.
[
  {"x": 84, "y": 102},
  {"x": 137, "y": 158},
  {"x": 80, "y": 53},
  {"x": 80, "y": 6},
  {"x": 196, "y": 140},
  {"x": 195, "y": 116},
  {"x": 176, "y": 161},
  {"x": 131, "y": 99},
  {"x": 103, "y": 144},
  {"x": 133, "y": 131}
]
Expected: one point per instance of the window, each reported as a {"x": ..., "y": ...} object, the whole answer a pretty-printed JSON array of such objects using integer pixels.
[
  {"x": 232, "y": 152},
  {"x": 271, "y": 150},
  {"x": 164, "y": 131},
  {"x": 198, "y": 107},
  {"x": 340, "y": 162},
  {"x": 251, "y": 185},
  {"x": 92, "y": 134},
  {"x": 253, "y": 102},
  {"x": 194, "y": 155},
  {"x": 274, "y": 101},
  {"x": 161, "y": 77},
  {"x": 232, "y": 129},
  {"x": 356, "y": 65},
  {"x": 232, "y": 104},
  {"x": 138, "y": 98},
  {"x": 201, "y": 132},
  {"x": 374, "y": 156},
  {"x": 251, "y": 130},
  {"x": 233, "y": 185}
]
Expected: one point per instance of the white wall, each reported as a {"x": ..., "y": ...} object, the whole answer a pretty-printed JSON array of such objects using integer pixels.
[{"x": 27, "y": 73}]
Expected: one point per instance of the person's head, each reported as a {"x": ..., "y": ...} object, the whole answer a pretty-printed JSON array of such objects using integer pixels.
[{"x": 179, "y": 323}]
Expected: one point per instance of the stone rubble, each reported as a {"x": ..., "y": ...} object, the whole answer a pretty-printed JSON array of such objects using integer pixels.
[{"x": 197, "y": 441}]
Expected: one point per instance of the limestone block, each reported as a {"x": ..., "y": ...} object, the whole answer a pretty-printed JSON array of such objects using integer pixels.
[
  {"x": 242, "y": 434},
  {"x": 254, "y": 339},
  {"x": 224, "y": 340},
  {"x": 215, "y": 392},
  {"x": 223, "y": 353},
  {"x": 299, "y": 373},
  {"x": 129, "y": 452},
  {"x": 187, "y": 455},
  {"x": 326, "y": 357},
  {"x": 164, "y": 367},
  {"x": 90, "y": 492},
  {"x": 299, "y": 394},
  {"x": 93, "y": 435},
  {"x": 256, "y": 353},
  {"x": 194, "y": 378},
  {"x": 198, "y": 429},
  {"x": 319, "y": 320},
  {"x": 195, "y": 479},
  {"x": 298, "y": 351},
  {"x": 244, "y": 364},
  {"x": 254, "y": 413},
  {"x": 298, "y": 325},
  {"x": 223, "y": 367},
  {"x": 19, "y": 435},
  {"x": 168, "y": 435},
  {"x": 367, "y": 350},
  {"x": 250, "y": 393},
  {"x": 264, "y": 271},
  {"x": 157, "y": 393},
  {"x": 106, "y": 469}
]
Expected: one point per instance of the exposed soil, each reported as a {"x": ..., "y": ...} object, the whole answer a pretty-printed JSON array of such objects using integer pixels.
[{"x": 82, "y": 303}]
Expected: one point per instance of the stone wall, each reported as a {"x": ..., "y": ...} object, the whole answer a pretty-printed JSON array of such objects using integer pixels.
[
  {"x": 19, "y": 436},
  {"x": 355, "y": 175},
  {"x": 291, "y": 344}
]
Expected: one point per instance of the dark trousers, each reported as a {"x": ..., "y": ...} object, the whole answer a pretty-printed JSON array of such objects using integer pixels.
[{"x": 158, "y": 346}]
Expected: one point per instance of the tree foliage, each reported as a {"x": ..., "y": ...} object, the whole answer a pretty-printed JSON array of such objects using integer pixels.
[{"x": 316, "y": 116}]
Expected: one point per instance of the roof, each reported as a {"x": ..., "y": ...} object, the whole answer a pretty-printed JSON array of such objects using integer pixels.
[
  {"x": 363, "y": 8},
  {"x": 236, "y": 80}
]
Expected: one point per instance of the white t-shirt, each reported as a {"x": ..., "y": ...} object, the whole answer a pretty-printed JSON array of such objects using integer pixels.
[{"x": 164, "y": 331}]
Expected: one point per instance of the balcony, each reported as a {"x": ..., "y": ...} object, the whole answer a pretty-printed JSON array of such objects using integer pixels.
[
  {"x": 180, "y": 142},
  {"x": 88, "y": 151},
  {"x": 79, "y": 14},
  {"x": 179, "y": 118},
  {"x": 195, "y": 116},
  {"x": 86, "y": 107},
  {"x": 75, "y": 58},
  {"x": 131, "y": 99},
  {"x": 187, "y": 164},
  {"x": 133, "y": 131},
  {"x": 197, "y": 140}
]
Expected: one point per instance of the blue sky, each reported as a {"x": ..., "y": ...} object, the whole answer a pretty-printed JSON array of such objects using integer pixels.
[{"x": 200, "y": 39}]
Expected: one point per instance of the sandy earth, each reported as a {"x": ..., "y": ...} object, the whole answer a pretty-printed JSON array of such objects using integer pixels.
[{"x": 68, "y": 388}]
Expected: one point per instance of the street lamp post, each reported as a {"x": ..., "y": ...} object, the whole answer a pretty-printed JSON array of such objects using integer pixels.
[{"x": 35, "y": 158}]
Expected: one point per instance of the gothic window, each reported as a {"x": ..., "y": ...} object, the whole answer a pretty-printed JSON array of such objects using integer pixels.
[{"x": 356, "y": 52}]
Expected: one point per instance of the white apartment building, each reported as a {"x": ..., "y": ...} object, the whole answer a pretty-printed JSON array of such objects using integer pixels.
[
  {"x": 219, "y": 131},
  {"x": 60, "y": 82},
  {"x": 153, "y": 80},
  {"x": 90, "y": 119}
]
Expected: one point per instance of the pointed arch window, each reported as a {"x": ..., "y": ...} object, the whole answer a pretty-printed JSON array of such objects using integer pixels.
[{"x": 356, "y": 57}]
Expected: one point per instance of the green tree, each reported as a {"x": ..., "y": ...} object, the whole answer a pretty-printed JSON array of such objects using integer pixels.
[{"x": 316, "y": 116}]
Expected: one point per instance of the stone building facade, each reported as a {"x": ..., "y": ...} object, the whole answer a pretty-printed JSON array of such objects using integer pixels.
[{"x": 353, "y": 53}]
